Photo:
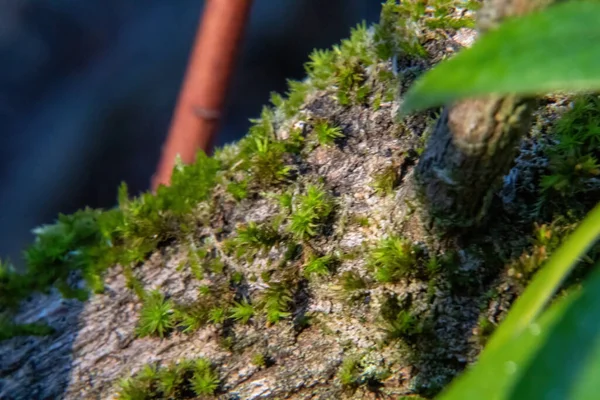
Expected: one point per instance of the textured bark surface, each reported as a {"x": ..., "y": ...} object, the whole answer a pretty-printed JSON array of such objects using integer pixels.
[{"x": 471, "y": 148}]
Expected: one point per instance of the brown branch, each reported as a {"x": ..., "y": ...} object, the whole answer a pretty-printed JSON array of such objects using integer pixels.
[{"x": 202, "y": 97}]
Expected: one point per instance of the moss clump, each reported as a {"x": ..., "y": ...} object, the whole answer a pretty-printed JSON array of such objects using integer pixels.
[
  {"x": 319, "y": 266},
  {"x": 276, "y": 301},
  {"x": 484, "y": 329},
  {"x": 185, "y": 380},
  {"x": 156, "y": 315},
  {"x": 252, "y": 239},
  {"x": 309, "y": 211},
  {"x": 238, "y": 190},
  {"x": 397, "y": 321},
  {"x": 349, "y": 372},
  {"x": 392, "y": 259},
  {"x": 360, "y": 370},
  {"x": 385, "y": 181},
  {"x": 72, "y": 245},
  {"x": 574, "y": 156},
  {"x": 400, "y": 25},
  {"x": 242, "y": 311},
  {"x": 88, "y": 242},
  {"x": 327, "y": 134},
  {"x": 259, "y": 360},
  {"x": 403, "y": 326},
  {"x": 344, "y": 67},
  {"x": 205, "y": 379},
  {"x": 350, "y": 286}
]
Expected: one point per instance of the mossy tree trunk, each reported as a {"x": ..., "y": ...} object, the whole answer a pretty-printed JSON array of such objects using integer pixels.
[{"x": 473, "y": 144}]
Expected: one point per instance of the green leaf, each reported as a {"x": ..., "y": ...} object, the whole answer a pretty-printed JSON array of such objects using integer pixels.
[
  {"x": 497, "y": 371},
  {"x": 555, "y": 49},
  {"x": 568, "y": 363},
  {"x": 548, "y": 279},
  {"x": 522, "y": 333}
]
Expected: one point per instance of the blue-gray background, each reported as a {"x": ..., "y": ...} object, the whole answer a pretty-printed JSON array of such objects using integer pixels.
[{"x": 87, "y": 88}]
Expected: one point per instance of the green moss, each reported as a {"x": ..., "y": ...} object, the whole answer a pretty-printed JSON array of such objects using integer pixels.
[
  {"x": 344, "y": 67},
  {"x": 285, "y": 201},
  {"x": 327, "y": 134},
  {"x": 262, "y": 154},
  {"x": 133, "y": 283},
  {"x": 130, "y": 389},
  {"x": 89, "y": 241},
  {"x": 321, "y": 68},
  {"x": 185, "y": 380},
  {"x": 238, "y": 190},
  {"x": 170, "y": 381},
  {"x": 440, "y": 17},
  {"x": 195, "y": 257},
  {"x": 72, "y": 245},
  {"x": 574, "y": 156},
  {"x": 205, "y": 379},
  {"x": 217, "y": 315},
  {"x": 546, "y": 238},
  {"x": 259, "y": 360},
  {"x": 242, "y": 312},
  {"x": 350, "y": 287},
  {"x": 267, "y": 163},
  {"x": 399, "y": 323},
  {"x": 398, "y": 30},
  {"x": 392, "y": 259},
  {"x": 276, "y": 301},
  {"x": 349, "y": 372},
  {"x": 385, "y": 181},
  {"x": 403, "y": 326},
  {"x": 394, "y": 33},
  {"x": 295, "y": 97},
  {"x": 155, "y": 316},
  {"x": 309, "y": 211},
  {"x": 351, "y": 281},
  {"x": 215, "y": 265},
  {"x": 360, "y": 220},
  {"x": 213, "y": 306},
  {"x": 433, "y": 265},
  {"x": 320, "y": 266},
  {"x": 485, "y": 328},
  {"x": 252, "y": 239},
  {"x": 237, "y": 277}
]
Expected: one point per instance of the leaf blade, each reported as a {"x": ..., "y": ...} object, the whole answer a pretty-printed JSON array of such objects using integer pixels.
[
  {"x": 556, "y": 49},
  {"x": 569, "y": 358},
  {"x": 513, "y": 340}
]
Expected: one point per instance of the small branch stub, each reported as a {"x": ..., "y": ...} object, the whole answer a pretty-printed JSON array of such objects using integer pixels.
[{"x": 473, "y": 144}]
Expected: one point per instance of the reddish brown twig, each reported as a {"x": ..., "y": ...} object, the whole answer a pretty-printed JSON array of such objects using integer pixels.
[{"x": 205, "y": 85}]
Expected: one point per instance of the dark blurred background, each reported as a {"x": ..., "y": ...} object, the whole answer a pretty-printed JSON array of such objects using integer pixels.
[{"x": 87, "y": 88}]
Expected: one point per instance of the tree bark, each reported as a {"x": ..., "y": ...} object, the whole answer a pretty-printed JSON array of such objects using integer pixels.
[{"x": 474, "y": 143}]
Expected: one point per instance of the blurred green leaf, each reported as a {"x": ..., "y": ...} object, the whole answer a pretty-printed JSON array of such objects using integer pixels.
[
  {"x": 545, "y": 283},
  {"x": 497, "y": 371},
  {"x": 522, "y": 333},
  {"x": 568, "y": 363},
  {"x": 552, "y": 50}
]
